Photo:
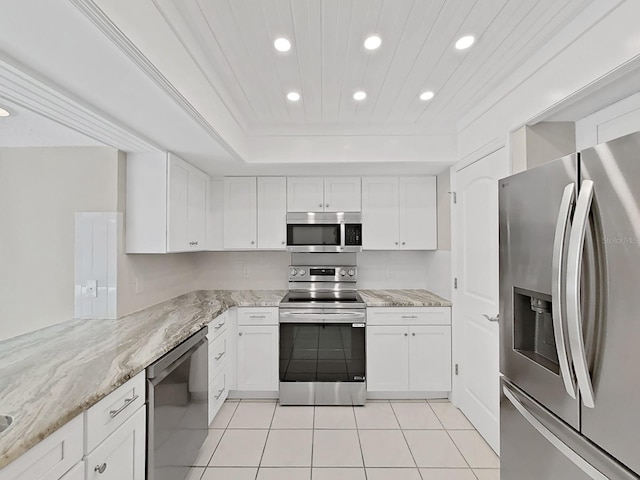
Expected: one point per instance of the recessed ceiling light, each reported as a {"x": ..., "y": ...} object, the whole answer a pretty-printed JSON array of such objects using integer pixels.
[
  {"x": 373, "y": 42},
  {"x": 465, "y": 42},
  {"x": 282, "y": 44},
  {"x": 360, "y": 95},
  {"x": 293, "y": 96},
  {"x": 424, "y": 96},
  {"x": 4, "y": 113}
]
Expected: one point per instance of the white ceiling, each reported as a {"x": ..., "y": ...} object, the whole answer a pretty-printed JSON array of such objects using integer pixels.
[
  {"x": 25, "y": 128},
  {"x": 328, "y": 62}
]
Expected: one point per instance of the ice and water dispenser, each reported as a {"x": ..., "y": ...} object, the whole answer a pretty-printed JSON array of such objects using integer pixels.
[{"x": 533, "y": 334}]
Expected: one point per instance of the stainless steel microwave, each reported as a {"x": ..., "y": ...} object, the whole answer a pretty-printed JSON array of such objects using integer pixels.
[{"x": 324, "y": 232}]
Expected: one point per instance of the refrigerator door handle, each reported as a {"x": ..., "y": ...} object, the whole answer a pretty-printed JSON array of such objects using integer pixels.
[
  {"x": 557, "y": 283},
  {"x": 574, "y": 270},
  {"x": 562, "y": 447}
]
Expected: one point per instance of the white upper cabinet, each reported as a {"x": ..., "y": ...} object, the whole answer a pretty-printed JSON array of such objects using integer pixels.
[
  {"x": 272, "y": 213},
  {"x": 342, "y": 194},
  {"x": 240, "y": 213},
  {"x": 399, "y": 213},
  {"x": 305, "y": 194},
  {"x": 318, "y": 194},
  {"x": 166, "y": 204},
  {"x": 380, "y": 214},
  {"x": 418, "y": 213}
]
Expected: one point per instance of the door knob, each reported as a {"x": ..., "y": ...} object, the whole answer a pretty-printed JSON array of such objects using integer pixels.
[{"x": 492, "y": 319}]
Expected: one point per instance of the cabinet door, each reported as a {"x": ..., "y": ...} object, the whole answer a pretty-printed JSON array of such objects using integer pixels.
[
  {"x": 418, "y": 213},
  {"x": 258, "y": 358},
  {"x": 380, "y": 213},
  {"x": 197, "y": 209},
  {"x": 305, "y": 194},
  {"x": 342, "y": 194},
  {"x": 240, "y": 212},
  {"x": 387, "y": 359},
  {"x": 430, "y": 358},
  {"x": 122, "y": 455},
  {"x": 272, "y": 213},
  {"x": 76, "y": 473},
  {"x": 178, "y": 210}
]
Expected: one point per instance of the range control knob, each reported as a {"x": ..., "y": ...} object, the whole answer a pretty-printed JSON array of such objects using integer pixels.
[
  {"x": 352, "y": 272},
  {"x": 303, "y": 272},
  {"x": 293, "y": 272},
  {"x": 343, "y": 272}
]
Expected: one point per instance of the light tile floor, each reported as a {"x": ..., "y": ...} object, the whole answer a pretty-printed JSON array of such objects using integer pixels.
[{"x": 385, "y": 440}]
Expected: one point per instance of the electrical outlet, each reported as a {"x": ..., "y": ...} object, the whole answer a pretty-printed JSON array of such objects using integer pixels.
[
  {"x": 91, "y": 289},
  {"x": 389, "y": 272},
  {"x": 139, "y": 287},
  {"x": 245, "y": 272}
]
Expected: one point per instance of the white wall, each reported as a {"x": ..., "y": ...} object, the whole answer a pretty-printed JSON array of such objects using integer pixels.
[
  {"x": 601, "y": 40},
  {"x": 40, "y": 191}
]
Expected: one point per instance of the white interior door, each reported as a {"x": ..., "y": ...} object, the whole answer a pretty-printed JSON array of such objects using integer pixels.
[{"x": 475, "y": 244}]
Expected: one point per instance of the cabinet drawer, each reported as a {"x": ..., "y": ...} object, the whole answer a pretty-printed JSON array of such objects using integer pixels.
[
  {"x": 258, "y": 316},
  {"x": 218, "y": 391},
  {"x": 50, "y": 458},
  {"x": 113, "y": 410},
  {"x": 217, "y": 356},
  {"x": 217, "y": 326},
  {"x": 409, "y": 316}
]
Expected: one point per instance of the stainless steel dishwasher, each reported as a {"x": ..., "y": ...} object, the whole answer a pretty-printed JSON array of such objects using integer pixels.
[{"x": 177, "y": 397}]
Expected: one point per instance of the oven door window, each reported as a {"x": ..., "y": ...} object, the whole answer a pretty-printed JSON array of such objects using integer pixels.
[
  {"x": 301, "y": 235},
  {"x": 333, "y": 352}
]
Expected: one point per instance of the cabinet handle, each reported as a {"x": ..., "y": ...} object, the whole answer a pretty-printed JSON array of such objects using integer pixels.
[
  {"x": 282, "y": 243},
  {"x": 218, "y": 326},
  {"x": 240, "y": 334},
  {"x": 320, "y": 205},
  {"x": 252, "y": 242},
  {"x": 219, "y": 394},
  {"x": 409, "y": 316},
  {"x": 413, "y": 334},
  {"x": 100, "y": 468},
  {"x": 404, "y": 243},
  {"x": 396, "y": 243},
  {"x": 115, "y": 413},
  {"x": 218, "y": 357},
  {"x": 257, "y": 316},
  {"x": 406, "y": 334},
  {"x": 327, "y": 205},
  {"x": 195, "y": 243}
]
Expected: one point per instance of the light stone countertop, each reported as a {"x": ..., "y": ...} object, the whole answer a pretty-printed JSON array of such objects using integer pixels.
[
  {"x": 402, "y": 298},
  {"x": 49, "y": 376}
]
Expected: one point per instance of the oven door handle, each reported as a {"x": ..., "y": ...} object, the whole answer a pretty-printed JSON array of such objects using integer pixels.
[{"x": 310, "y": 317}]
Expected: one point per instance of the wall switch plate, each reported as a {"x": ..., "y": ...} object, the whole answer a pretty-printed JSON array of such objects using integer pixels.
[
  {"x": 389, "y": 272},
  {"x": 91, "y": 289},
  {"x": 139, "y": 286},
  {"x": 245, "y": 272}
]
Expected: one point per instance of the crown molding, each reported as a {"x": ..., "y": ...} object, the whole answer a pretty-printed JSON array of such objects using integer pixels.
[
  {"x": 90, "y": 10},
  {"x": 22, "y": 87}
]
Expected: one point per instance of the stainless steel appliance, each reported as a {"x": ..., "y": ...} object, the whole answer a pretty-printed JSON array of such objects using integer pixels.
[
  {"x": 569, "y": 277},
  {"x": 322, "y": 337},
  {"x": 177, "y": 396},
  {"x": 324, "y": 232}
]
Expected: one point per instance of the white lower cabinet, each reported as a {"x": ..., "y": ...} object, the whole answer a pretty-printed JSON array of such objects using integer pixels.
[
  {"x": 408, "y": 350},
  {"x": 50, "y": 459},
  {"x": 257, "y": 349},
  {"x": 76, "y": 473},
  {"x": 121, "y": 456},
  {"x": 219, "y": 362}
]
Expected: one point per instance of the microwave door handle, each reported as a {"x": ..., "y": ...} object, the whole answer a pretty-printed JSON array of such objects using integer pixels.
[
  {"x": 557, "y": 283},
  {"x": 343, "y": 230},
  {"x": 574, "y": 270}
]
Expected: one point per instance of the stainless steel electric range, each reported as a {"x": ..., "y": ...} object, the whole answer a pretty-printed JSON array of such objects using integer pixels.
[{"x": 322, "y": 337}]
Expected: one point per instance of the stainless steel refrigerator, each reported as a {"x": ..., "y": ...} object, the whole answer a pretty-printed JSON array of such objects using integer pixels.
[{"x": 570, "y": 316}]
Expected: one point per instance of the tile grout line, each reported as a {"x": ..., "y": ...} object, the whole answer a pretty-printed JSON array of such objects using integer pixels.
[
  {"x": 364, "y": 466},
  {"x": 405, "y": 440},
  {"x": 266, "y": 440},
  {"x": 221, "y": 437},
  {"x": 313, "y": 441}
]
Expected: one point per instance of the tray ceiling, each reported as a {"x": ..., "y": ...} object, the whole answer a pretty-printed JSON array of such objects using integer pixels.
[{"x": 328, "y": 62}]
